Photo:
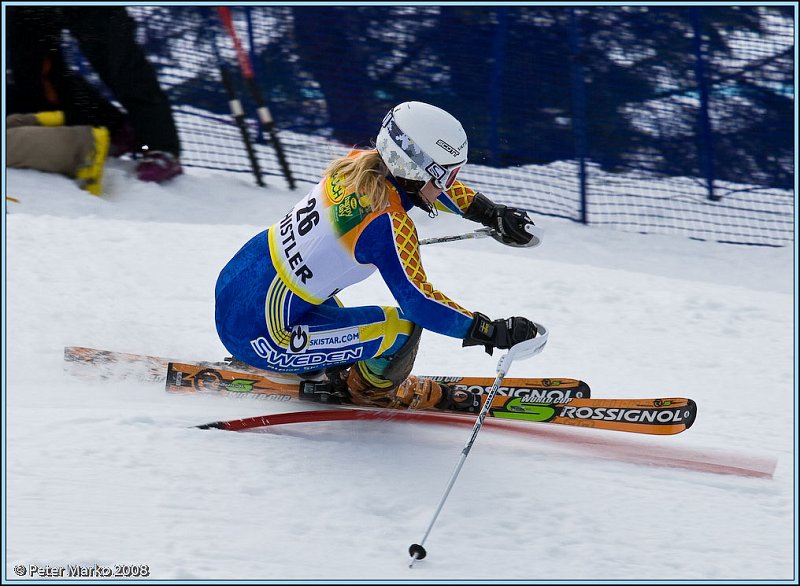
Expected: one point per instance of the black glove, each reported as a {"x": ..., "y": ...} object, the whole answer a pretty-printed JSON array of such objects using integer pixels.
[
  {"x": 508, "y": 222},
  {"x": 500, "y": 333}
]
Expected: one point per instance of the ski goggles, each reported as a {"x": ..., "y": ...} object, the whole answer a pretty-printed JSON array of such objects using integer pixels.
[
  {"x": 452, "y": 171},
  {"x": 442, "y": 176}
]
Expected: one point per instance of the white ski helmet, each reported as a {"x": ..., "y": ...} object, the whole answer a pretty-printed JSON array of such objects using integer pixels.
[{"x": 421, "y": 142}]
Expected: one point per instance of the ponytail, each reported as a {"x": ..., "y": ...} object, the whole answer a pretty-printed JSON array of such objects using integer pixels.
[{"x": 364, "y": 174}]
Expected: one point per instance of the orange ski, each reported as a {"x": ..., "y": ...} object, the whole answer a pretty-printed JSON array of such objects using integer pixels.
[
  {"x": 561, "y": 401},
  {"x": 666, "y": 416},
  {"x": 182, "y": 377}
]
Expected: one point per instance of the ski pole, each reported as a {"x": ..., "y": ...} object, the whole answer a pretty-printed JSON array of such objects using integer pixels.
[
  {"x": 535, "y": 231},
  {"x": 480, "y": 233},
  {"x": 237, "y": 112},
  {"x": 522, "y": 350},
  {"x": 264, "y": 115}
]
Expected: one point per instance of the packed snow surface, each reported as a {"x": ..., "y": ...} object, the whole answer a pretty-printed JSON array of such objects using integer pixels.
[{"x": 113, "y": 473}]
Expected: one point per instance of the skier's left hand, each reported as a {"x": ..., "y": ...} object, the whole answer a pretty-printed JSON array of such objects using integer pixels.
[{"x": 511, "y": 226}]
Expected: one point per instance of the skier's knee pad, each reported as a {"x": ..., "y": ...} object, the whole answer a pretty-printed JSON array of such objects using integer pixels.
[
  {"x": 402, "y": 362},
  {"x": 390, "y": 370},
  {"x": 373, "y": 379}
]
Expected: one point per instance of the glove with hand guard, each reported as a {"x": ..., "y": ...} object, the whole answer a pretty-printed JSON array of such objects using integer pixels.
[
  {"x": 510, "y": 226},
  {"x": 500, "y": 333}
]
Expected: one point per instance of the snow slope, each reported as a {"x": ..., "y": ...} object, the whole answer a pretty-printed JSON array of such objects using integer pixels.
[{"x": 113, "y": 474}]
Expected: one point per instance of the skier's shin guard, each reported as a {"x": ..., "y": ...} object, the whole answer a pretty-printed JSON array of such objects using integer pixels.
[{"x": 385, "y": 380}]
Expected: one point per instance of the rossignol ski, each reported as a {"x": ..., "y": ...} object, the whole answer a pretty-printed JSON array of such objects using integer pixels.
[
  {"x": 564, "y": 401},
  {"x": 548, "y": 400},
  {"x": 207, "y": 378},
  {"x": 103, "y": 365}
]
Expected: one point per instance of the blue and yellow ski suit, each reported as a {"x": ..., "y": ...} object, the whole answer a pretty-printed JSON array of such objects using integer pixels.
[{"x": 276, "y": 305}]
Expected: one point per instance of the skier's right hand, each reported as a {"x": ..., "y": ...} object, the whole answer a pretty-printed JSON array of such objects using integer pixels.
[{"x": 500, "y": 333}]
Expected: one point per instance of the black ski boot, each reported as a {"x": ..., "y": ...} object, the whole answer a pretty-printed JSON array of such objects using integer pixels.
[
  {"x": 332, "y": 388},
  {"x": 459, "y": 400}
]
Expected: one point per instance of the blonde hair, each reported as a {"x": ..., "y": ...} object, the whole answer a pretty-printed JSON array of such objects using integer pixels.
[{"x": 363, "y": 174}]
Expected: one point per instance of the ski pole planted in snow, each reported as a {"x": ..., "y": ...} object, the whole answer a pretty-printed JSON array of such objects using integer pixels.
[{"x": 522, "y": 350}]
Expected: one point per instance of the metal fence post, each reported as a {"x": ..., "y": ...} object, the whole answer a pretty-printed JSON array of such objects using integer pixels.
[
  {"x": 705, "y": 136},
  {"x": 496, "y": 83},
  {"x": 579, "y": 108}
]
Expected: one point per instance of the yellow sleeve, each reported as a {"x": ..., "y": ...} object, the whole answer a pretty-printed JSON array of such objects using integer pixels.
[{"x": 457, "y": 199}]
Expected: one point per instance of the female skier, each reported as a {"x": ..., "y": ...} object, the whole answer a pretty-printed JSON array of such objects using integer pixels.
[{"x": 276, "y": 305}]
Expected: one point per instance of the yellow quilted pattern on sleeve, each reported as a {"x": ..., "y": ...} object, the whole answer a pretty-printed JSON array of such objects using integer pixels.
[
  {"x": 407, "y": 245},
  {"x": 461, "y": 195}
]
